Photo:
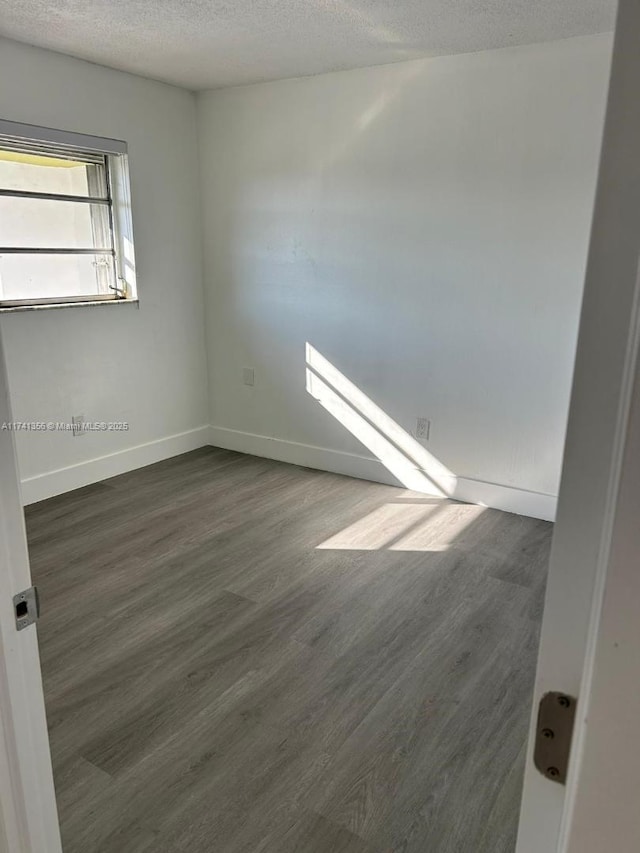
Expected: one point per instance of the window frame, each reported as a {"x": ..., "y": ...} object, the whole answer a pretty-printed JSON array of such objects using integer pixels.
[{"x": 112, "y": 155}]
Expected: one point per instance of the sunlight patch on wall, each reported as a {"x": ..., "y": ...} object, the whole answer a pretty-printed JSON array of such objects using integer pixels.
[
  {"x": 373, "y": 111},
  {"x": 391, "y": 457},
  {"x": 399, "y": 452}
]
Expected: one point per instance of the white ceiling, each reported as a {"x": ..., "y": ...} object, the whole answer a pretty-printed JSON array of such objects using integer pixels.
[{"x": 204, "y": 44}]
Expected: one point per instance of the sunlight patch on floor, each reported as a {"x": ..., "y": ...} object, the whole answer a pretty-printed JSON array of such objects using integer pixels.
[{"x": 403, "y": 526}]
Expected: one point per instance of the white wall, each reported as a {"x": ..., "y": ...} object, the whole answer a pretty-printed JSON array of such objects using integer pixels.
[
  {"x": 146, "y": 366},
  {"x": 424, "y": 226}
]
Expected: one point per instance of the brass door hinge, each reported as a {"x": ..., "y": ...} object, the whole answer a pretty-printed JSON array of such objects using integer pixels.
[{"x": 554, "y": 732}]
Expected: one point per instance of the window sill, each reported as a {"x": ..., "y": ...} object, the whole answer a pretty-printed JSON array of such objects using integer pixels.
[{"x": 45, "y": 306}]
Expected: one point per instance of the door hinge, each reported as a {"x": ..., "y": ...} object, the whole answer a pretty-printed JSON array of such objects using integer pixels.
[
  {"x": 554, "y": 732},
  {"x": 26, "y": 606}
]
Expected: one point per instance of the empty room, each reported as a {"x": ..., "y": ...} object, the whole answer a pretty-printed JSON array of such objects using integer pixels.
[{"x": 294, "y": 333}]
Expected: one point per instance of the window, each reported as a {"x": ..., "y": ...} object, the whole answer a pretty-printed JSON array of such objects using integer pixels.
[{"x": 65, "y": 219}]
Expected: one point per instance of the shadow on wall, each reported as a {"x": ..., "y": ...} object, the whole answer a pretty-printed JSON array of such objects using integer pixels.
[{"x": 399, "y": 452}]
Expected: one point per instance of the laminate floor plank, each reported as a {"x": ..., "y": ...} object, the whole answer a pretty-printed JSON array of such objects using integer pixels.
[
  {"x": 244, "y": 656},
  {"x": 420, "y": 773},
  {"x": 314, "y": 832}
]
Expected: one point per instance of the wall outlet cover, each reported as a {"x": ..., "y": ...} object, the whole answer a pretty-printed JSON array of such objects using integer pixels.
[
  {"x": 77, "y": 425},
  {"x": 423, "y": 428}
]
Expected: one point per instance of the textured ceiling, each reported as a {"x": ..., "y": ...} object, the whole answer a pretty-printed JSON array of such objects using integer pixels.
[{"x": 204, "y": 44}]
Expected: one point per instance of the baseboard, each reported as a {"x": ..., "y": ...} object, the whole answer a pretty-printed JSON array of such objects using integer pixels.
[
  {"x": 42, "y": 486},
  {"x": 56, "y": 482},
  {"x": 506, "y": 498},
  {"x": 494, "y": 495}
]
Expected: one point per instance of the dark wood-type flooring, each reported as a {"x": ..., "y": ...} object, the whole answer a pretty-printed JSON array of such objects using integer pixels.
[{"x": 244, "y": 656}]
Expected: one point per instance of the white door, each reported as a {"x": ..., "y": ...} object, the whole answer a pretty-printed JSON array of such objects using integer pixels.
[
  {"x": 28, "y": 816},
  {"x": 593, "y": 561}
]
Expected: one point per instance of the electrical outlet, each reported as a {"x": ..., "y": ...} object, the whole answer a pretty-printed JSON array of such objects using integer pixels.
[
  {"x": 423, "y": 428},
  {"x": 77, "y": 425},
  {"x": 248, "y": 376}
]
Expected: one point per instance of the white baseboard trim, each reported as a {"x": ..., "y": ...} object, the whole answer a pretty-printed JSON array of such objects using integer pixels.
[
  {"x": 56, "y": 482},
  {"x": 62, "y": 480},
  {"x": 506, "y": 498}
]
